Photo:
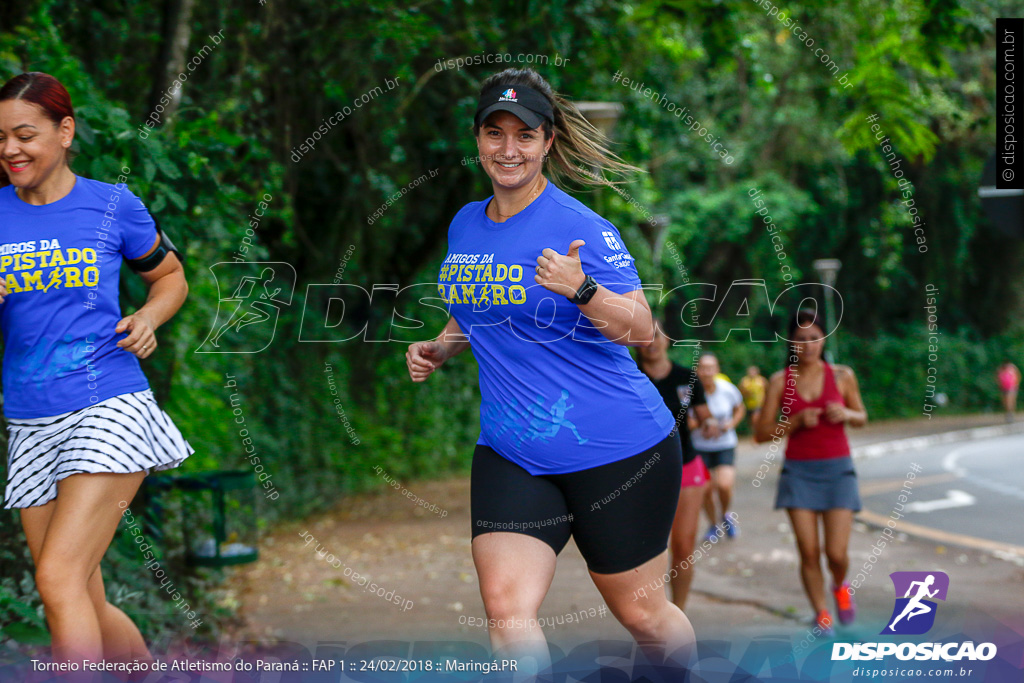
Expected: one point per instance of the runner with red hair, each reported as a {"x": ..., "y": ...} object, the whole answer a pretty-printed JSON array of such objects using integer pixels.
[{"x": 83, "y": 426}]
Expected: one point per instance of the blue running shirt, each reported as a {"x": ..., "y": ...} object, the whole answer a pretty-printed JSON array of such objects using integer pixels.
[
  {"x": 556, "y": 395},
  {"x": 61, "y": 263}
]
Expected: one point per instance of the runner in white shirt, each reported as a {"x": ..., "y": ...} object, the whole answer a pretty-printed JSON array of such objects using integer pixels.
[{"x": 716, "y": 441}]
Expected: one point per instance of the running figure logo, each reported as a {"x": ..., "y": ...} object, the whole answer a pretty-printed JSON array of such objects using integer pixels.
[
  {"x": 547, "y": 422},
  {"x": 254, "y": 304},
  {"x": 537, "y": 421},
  {"x": 914, "y": 614}
]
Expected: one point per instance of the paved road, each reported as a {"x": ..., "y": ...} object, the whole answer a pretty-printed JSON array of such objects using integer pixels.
[{"x": 962, "y": 491}]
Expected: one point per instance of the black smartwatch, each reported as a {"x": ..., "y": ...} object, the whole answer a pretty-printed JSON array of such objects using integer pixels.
[{"x": 586, "y": 291}]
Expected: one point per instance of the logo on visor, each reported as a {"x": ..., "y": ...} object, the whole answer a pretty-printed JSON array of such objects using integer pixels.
[{"x": 508, "y": 96}]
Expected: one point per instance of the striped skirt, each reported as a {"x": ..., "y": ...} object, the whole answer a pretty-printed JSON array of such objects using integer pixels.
[{"x": 126, "y": 433}]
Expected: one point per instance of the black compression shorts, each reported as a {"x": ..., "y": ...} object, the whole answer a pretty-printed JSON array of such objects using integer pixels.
[{"x": 620, "y": 514}]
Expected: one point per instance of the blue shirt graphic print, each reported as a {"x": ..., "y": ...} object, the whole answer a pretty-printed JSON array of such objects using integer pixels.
[
  {"x": 556, "y": 394},
  {"x": 61, "y": 264}
]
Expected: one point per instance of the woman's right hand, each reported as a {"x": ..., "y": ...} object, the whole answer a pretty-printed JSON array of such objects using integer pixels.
[
  {"x": 423, "y": 358},
  {"x": 3, "y": 291}
]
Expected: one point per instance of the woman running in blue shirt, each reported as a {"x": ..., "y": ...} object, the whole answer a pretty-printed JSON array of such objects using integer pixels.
[
  {"x": 574, "y": 439},
  {"x": 83, "y": 426}
]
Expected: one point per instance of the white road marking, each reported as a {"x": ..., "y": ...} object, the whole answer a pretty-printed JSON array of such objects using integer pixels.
[
  {"x": 954, "y": 499},
  {"x": 950, "y": 464}
]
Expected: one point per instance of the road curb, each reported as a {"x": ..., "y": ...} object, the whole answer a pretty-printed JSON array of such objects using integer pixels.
[
  {"x": 1003, "y": 551},
  {"x": 875, "y": 450}
]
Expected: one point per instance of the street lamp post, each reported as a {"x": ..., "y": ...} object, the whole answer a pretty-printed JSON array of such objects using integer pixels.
[
  {"x": 654, "y": 229},
  {"x": 602, "y": 115},
  {"x": 828, "y": 270},
  {"x": 1005, "y": 208}
]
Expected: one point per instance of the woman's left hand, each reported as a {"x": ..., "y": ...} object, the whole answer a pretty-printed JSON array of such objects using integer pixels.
[
  {"x": 835, "y": 412},
  {"x": 562, "y": 274},
  {"x": 141, "y": 339}
]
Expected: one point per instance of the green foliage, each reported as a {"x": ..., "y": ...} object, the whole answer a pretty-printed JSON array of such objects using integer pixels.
[
  {"x": 795, "y": 132},
  {"x": 892, "y": 368},
  {"x": 20, "y": 608}
]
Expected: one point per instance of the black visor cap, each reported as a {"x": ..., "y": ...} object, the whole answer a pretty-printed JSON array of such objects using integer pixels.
[{"x": 525, "y": 102}]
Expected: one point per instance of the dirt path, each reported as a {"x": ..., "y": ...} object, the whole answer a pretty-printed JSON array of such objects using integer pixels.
[{"x": 293, "y": 594}]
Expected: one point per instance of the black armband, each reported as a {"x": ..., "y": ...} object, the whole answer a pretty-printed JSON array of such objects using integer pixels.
[{"x": 151, "y": 261}]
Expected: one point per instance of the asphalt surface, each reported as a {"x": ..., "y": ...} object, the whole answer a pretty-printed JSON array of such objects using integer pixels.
[
  {"x": 974, "y": 544},
  {"x": 974, "y": 488}
]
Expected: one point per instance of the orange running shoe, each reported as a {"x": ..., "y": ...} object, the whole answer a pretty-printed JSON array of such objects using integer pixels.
[
  {"x": 824, "y": 622},
  {"x": 845, "y": 606}
]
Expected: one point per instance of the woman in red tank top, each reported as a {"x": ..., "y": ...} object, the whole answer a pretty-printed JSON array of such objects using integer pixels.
[{"x": 817, "y": 482}]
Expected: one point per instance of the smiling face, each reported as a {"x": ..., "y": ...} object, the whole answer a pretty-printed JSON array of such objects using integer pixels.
[
  {"x": 32, "y": 147},
  {"x": 512, "y": 154}
]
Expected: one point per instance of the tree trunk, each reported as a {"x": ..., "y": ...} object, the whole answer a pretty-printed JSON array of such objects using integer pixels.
[{"x": 177, "y": 29}]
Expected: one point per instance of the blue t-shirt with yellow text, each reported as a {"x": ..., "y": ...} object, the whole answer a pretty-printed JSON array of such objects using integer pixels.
[
  {"x": 61, "y": 264},
  {"x": 556, "y": 394}
]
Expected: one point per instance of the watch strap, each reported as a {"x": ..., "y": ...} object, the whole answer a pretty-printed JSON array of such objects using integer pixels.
[{"x": 586, "y": 291}]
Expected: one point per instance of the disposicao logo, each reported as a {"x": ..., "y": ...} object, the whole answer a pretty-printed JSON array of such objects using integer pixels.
[
  {"x": 915, "y": 587},
  {"x": 508, "y": 96},
  {"x": 914, "y": 614}
]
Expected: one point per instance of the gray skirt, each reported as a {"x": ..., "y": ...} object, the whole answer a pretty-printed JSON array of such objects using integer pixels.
[{"x": 818, "y": 485}]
